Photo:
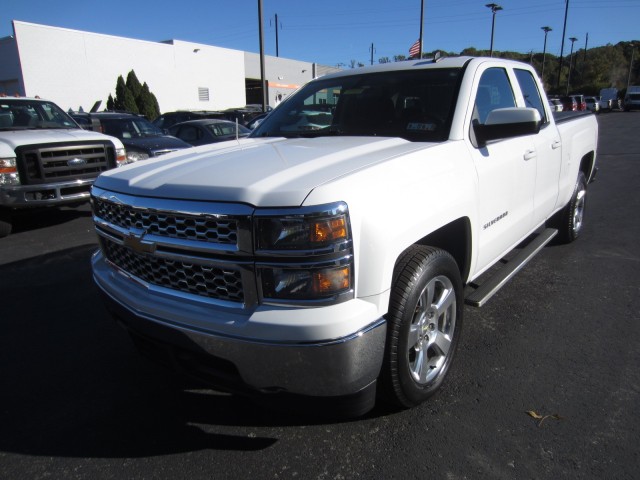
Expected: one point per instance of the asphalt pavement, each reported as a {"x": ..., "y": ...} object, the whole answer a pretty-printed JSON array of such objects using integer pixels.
[{"x": 546, "y": 384}]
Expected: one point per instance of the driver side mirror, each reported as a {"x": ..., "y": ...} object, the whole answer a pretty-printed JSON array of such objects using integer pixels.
[{"x": 508, "y": 123}]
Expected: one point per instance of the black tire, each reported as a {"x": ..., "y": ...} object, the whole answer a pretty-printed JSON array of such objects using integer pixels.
[
  {"x": 570, "y": 220},
  {"x": 424, "y": 325},
  {"x": 5, "y": 222}
]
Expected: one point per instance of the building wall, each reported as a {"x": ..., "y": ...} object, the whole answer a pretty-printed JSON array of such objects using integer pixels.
[
  {"x": 284, "y": 76},
  {"x": 10, "y": 74},
  {"x": 75, "y": 68}
]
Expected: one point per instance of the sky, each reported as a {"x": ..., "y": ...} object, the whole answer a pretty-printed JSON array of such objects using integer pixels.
[{"x": 337, "y": 32}]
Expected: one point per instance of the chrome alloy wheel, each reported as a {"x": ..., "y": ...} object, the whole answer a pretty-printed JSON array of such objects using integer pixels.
[
  {"x": 578, "y": 210},
  {"x": 431, "y": 330}
]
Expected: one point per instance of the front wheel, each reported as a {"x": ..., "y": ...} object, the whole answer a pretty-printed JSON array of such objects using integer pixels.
[{"x": 424, "y": 324}]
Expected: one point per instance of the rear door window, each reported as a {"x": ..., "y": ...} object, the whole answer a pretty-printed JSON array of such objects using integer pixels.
[{"x": 529, "y": 88}]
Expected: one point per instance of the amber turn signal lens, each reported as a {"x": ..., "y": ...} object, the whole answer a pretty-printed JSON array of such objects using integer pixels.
[
  {"x": 331, "y": 281},
  {"x": 329, "y": 230}
]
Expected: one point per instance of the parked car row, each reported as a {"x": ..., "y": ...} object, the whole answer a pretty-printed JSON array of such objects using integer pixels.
[
  {"x": 141, "y": 138},
  {"x": 242, "y": 115},
  {"x": 144, "y": 139},
  {"x": 579, "y": 102}
]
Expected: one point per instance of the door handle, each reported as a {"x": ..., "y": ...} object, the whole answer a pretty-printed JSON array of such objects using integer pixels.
[
  {"x": 529, "y": 154},
  {"x": 556, "y": 144}
]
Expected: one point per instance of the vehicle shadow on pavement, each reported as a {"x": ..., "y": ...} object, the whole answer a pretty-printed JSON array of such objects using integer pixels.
[
  {"x": 27, "y": 220},
  {"x": 72, "y": 384}
]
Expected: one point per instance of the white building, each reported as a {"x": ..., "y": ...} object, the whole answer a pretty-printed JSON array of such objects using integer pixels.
[{"x": 75, "y": 69}]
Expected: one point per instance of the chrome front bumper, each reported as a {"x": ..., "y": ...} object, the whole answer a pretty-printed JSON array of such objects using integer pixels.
[
  {"x": 24, "y": 196},
  {"x": 332, "y": 368}
]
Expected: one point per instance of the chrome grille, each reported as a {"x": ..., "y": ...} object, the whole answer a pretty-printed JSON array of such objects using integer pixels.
[
  {"x": 205, "y": 280},
  {"x": 203, "y": 228},
  {"x": 41, "y": 164}
]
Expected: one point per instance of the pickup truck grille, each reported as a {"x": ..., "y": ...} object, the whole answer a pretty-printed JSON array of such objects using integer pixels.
[
  {"x": 169, "y": 224},
  {"x": 209, "y": 281},
  {"x": 40, "y": 164},
  {"x": 194, "y": 248}
]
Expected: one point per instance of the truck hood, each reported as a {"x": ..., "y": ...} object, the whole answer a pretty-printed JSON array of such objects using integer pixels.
[
  {"x": 11, "y": 139},
  {"x": 260, "y": 172}
]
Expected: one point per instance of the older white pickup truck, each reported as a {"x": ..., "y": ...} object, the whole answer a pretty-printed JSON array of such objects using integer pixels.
[
  {"x": 46, "y": 159},
  {"x": 330, "y": 254}
]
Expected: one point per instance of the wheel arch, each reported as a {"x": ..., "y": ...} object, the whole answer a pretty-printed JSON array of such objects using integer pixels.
[
  {"x": 455, "y": 238},
  {"x": 587, "y": 165}
]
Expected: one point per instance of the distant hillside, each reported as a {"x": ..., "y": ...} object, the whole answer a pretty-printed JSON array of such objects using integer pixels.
[{"x": 601, "y": 67}]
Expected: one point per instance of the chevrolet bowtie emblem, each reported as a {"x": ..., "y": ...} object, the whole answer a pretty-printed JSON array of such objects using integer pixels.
[{"x": 135, "y": 241}]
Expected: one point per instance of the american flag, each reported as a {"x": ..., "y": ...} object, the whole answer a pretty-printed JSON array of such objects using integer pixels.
[{"x": 414, "y": 51}]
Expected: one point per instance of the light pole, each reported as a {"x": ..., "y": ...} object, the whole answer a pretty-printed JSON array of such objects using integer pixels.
[
  {"x": 494, "y": 8},
  {"x": 544, "y": 50},
  {"x": 572, "y": 39}
]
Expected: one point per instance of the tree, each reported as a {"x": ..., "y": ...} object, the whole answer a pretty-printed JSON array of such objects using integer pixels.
[
  {"x": 399, "y": 58},
  {"x": 121, "y": 88},
  {"x": 133, "y": 84},
  {"x": 129, "y": 103},
  {"x": 147, "y": 103},
  {"x": 133, "y": 97},
  {"x": 384, "y": 60}
]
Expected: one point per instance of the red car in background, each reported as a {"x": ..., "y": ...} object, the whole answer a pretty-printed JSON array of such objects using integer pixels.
[{"x": 569, "y": 103}]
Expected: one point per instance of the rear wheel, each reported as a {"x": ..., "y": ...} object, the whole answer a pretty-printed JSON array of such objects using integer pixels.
[
  {"x": 570, "y": 220},
  {"x": 424, "y": 324}
]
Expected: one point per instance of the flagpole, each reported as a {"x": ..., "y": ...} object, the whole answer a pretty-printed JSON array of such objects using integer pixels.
[{"x": 421, "y": 21}]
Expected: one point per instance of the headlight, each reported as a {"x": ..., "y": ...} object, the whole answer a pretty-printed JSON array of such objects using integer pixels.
[
  {"x": 9, "y": 171},
  {"x": 121, "y": 156},
  {"x": 135, "y": 156},
  {"x": 313, "y": 283},
  {"x": 308, "y": 254},
  {"x": 305, "y": 231}
]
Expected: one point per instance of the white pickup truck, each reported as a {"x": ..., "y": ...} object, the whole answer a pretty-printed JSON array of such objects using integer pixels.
[
  {"x": 331, "y": 253},
  {"x": 46, "y": 159}
]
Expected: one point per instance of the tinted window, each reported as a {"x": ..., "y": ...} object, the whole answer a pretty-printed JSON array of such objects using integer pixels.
[
  {"x": 129, "y": 127},
  {"x": 530, "y": 91},
  {"x": 189, "y": 133},
  {"x": 415, "y": 105},
  {"x": 22, "y": 114},
  {"x": 494, "y": 91}
]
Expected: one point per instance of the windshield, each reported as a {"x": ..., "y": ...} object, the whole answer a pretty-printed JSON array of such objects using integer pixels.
[
  {"x": 130, "y": 127},
  {"x": 31, "y": 114},
  {"x": 415, "y": 105}
]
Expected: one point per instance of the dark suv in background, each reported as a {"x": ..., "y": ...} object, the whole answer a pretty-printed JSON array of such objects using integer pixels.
[
  {"x": 242, "y": 115},
  {"x": 169, "y": 119},
  {"x": 141, "y": 138}
]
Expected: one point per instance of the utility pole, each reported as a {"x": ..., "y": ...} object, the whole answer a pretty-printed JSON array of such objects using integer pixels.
[
  {"x": 573, "y": 39},
  {"x": 262, "y": 76},
  {"x": 633, "y": 49},
  {"x": 584, "y": 58},
  {"x": 372, "y": 50},
  {"x": 544, "y": 50},
  {"x": 564, "y": 29},
  {"x": 277, "y": 48},
  {"x": 421, "y": 22}
]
